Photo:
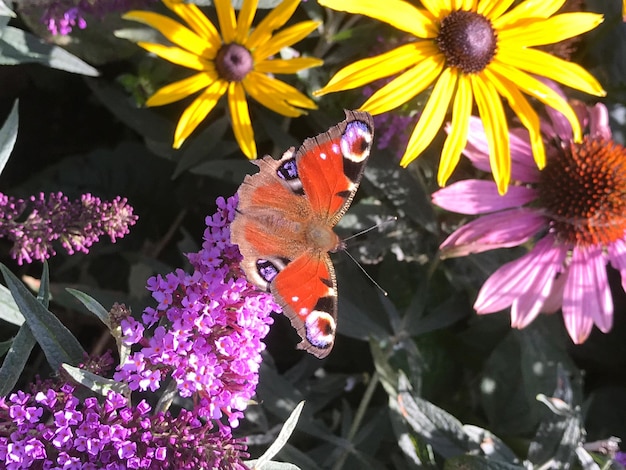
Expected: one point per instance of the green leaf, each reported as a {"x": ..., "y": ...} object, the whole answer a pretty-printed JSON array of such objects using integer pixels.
[
  {"x": 16, "y": 359},
  {"x": 95, "y": 383},
  {"x": 19, "y": 47},
  {"x": 435, "y": 426},
  {"x": 9, "y": 310},
  {"x": 385, "y": 179},
  {"x": 5, "y": 346},
  {"x": 6, "y": 11},
  {"x": 8, "y": 136},
  {"x": 92, "y": 305},
  {"x": 283, "y": 436},
  {"x": 202, "y": 146},
  {"x": 56, "y": 341},
  {"x": 43, "y": 294},
  {"x": 475, "y": 462},
  {"x": 271, "y": 465},
  {"x": 145, "y": 122},
  {"x": 492, "y": 446}
]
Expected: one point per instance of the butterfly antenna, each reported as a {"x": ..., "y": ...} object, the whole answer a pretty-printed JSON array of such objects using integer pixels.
[
  {"x": 389, "y": 220},
  {"x": 383, "y": 291}
]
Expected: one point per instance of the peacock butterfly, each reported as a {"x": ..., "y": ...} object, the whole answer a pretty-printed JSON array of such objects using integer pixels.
[{"x": 284, "y": 225}]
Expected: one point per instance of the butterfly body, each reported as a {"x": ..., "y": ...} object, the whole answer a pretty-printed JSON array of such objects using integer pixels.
[{"x": 285, "y": 219}]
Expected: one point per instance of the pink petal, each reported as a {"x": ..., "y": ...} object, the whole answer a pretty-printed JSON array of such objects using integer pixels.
[
  {"x": 500, "y": 230},
  {"x": 520, "y": 277},
  {"x": 599, "y": 122},
  {"x": 558, "y": 126},
  {"x": 617, "y": 257},
  {"x": 480, "y": 196},
  {"x": 548, "y": 262},
  {"x": 523, "y": 167},
  {"x": 555, "y": 299},
  {"x": 587, "y": 297}
]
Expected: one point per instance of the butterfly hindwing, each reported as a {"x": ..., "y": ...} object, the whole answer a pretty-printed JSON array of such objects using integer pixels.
[{"x": 284, "y": 223}]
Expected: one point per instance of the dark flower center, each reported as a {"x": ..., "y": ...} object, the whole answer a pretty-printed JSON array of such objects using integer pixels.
[
  {"x": 467, "y": 40},
  {"x": 233, "y": 62},
  {"x": 583, "y": 191}
]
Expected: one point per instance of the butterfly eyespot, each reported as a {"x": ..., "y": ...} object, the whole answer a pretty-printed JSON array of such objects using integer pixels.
[
  {"x": 320, "y": 329},
  {"x": 267, "y": 270},
  {"x": 356, "y": 141},
  {"x": 288, "y": 170}
]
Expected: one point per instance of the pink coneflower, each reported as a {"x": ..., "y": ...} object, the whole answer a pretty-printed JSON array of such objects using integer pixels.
[{"x": 574, "y": 210}]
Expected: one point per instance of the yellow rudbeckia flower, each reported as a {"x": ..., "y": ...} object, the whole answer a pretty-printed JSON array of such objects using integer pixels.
[
  {"x": 234, "y": 61},
  {"x": 473, "y": 51}
]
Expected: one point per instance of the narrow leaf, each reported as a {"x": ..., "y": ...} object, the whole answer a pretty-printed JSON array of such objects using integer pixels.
[
  {"x": 92, "y": 305},
  {"x": 18, "y": 47},
  {"x": 8, "y": 136},
  {"x": 283, "y": 437},
  {"x": 56, "y": 341},
  {"x": 8, "y": 308},
  {"x": 43, "y": 295},
  {"x": 96, "y": 383},
  {"x": 254, "y": 464},
  {"x": 16, "y": 359},
  {"x": 5, "y": 10}
]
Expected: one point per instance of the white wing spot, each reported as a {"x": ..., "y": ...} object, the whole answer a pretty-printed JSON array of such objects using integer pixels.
[
  {"x": 336, "y": 148},
  {"x": 295, "y": 298},
  {"x": 323, "y": 156}
]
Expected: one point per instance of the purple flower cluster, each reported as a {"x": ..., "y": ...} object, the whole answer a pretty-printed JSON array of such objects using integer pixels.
[
  {"x": 62, "y": 16},
  {"x": 210, "y": 326},
  {"x": 54, "y": 429},
  {"x": 33, "y": 226}
]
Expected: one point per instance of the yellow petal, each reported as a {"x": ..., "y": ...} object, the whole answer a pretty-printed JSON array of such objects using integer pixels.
[
  {"x": 432, "y": 116},
  {"x": 181, "y": 89},
  {"x": 287, "y": 65},
  {"x": 405, "y": 86},
  {"x": 282, "y": 90},
  {"x": 397, "y": 13},
  {"x": 197, "y": 111},
  {"x": 546, "y": 65},
  {"x": 524, "y": 111},
  {"x": 526, "y": 10},
  {"x": 276, "y": 18},
  {"x": 467, "y": 5},
  {"x": 459, "y": 130},
  {"x": 244, "y": 20},
  {"x": 380, "y": 66},
  {"x": 226, "y": 19},
  {"x": 492, "y": 115},
  {"x": 178, "y": 56},
  {"x": 269, "y": 95},
  {"x": 175, "y": 32},
  {"x": 541, "y": 91},
  {"x": 550, "y": 30},
  {"x": 492, "y": 9},
  {"x": 196, "y": 20},
  {"x": 437, "y": 8},
  {"x": 240, "y": 116},
  {"x": 286, "y": 37}
]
